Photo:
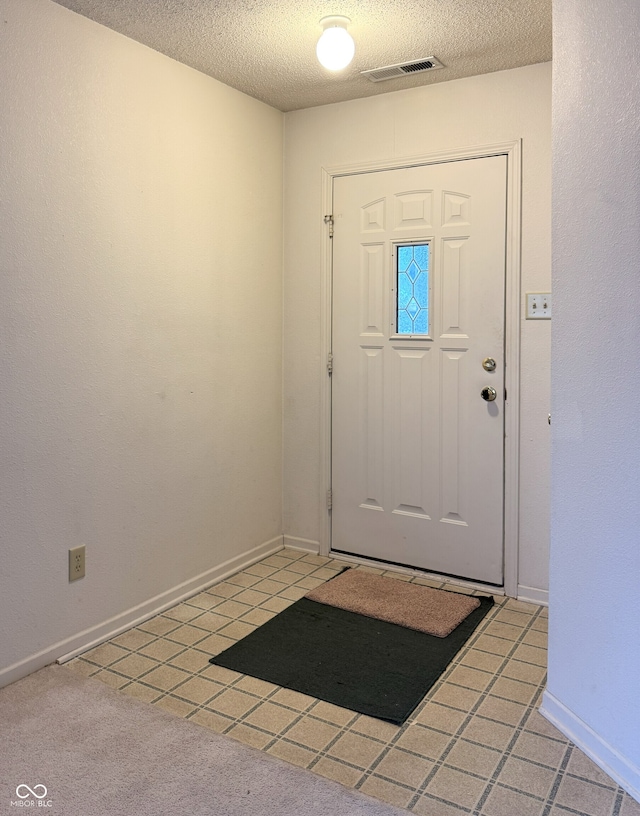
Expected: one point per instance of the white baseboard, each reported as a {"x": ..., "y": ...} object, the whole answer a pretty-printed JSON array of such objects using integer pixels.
[
  {"x": 603, "y": 754},
  {"x": 76, "y": 644},
  {"x": 303, "y": 544},
  {"x": 533, "y": 595}
]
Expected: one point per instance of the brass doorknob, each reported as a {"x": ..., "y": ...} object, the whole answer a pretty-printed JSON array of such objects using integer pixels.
[{"x": 488, "y": 393}]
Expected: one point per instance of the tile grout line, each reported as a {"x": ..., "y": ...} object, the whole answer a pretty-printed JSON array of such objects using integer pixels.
[
  {"x": 557, "y": 781},
  {"x": 517, "y": 729},
  {"x": 617, "y": 803},
  {"x": 423, "y": 788}
]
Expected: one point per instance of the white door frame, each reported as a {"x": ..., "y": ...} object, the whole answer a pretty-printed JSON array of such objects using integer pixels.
[{"x": 513, "y": 152}]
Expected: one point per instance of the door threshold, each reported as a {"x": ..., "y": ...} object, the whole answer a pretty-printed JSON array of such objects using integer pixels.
[{"x": 415, "y": 572}]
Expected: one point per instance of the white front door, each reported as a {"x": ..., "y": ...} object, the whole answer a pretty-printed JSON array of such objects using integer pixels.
[{"x": 418, "y": 312}]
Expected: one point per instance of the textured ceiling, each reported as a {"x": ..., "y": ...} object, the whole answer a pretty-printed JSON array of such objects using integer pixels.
[{"x": 267, "y": 48}]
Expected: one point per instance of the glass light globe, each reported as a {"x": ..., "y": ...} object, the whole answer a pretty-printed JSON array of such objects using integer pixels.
[{"x": 335, "y": 47}]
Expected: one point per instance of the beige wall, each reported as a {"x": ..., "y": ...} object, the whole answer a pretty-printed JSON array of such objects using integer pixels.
[
  {"x": 481, "y": 110},
  {"x": 140, "y": 323},
  {"x": 594, "y": 647}
]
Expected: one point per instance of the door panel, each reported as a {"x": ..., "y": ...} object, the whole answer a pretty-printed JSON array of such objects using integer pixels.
[{"x": 417, "y": 454}]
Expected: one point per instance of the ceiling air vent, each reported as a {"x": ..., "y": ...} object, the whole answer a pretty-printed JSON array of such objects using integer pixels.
[{"x": 402, "y": 69}]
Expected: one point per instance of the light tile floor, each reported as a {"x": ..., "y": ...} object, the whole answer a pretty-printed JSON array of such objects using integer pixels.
[{"x": 475, "y": 745}]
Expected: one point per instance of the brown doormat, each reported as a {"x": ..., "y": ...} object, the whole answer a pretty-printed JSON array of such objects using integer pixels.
[{"x": 434, "y": 611}]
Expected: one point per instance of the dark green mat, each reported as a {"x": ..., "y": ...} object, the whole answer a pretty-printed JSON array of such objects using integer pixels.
[{"x": 363, "y": 664}]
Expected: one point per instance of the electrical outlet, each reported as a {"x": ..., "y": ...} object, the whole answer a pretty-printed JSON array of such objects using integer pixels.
[{"x": 76, "y": 563}]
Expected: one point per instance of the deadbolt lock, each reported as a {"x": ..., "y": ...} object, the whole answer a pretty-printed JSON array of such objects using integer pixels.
[
  {"x": 489, "y": 364},
  {"x": 488, "y": 393}
]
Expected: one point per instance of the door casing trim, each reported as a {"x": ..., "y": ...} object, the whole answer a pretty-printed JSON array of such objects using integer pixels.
[{"x": 513, "y": 152}]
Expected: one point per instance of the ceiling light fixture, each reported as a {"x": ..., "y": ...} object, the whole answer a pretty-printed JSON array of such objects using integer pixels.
[{"x": 335, "y": 47}]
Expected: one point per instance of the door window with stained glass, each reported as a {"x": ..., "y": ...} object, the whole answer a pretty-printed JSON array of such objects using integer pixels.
[{"x": 412, "y": 289}]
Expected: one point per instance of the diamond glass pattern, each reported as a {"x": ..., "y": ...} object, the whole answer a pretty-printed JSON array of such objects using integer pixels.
[{"x": 412, "y": 289}]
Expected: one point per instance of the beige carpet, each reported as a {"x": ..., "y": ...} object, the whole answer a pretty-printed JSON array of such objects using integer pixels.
[
  {"x": 434, "y": 611},
  {"x": 91, "y": 751}
]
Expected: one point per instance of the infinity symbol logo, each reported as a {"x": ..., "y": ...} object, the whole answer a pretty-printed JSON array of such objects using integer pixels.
[{"x": 30, "y": 792}]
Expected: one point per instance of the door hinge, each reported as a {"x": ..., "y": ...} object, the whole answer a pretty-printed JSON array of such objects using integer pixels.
[
  {"x": 329, "y": 499},
  {"x": 329, "y": 364},
  {"x": 328, "y": 219}
]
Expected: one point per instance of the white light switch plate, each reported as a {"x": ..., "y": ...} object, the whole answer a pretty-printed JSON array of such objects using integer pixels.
[{"x": 539, "y": 306}]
